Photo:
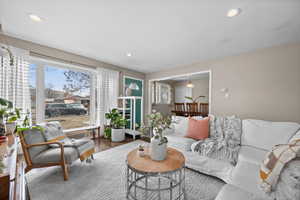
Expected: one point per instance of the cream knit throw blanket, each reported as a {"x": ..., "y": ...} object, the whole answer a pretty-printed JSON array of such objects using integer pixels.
[{"x": 275, "y": 162}]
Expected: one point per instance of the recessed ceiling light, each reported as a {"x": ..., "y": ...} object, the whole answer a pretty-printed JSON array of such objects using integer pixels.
[
  {"x": 35, "y": 18},
  {"x": 129, "y": 54},
  {"x": 234, "y": 12}
]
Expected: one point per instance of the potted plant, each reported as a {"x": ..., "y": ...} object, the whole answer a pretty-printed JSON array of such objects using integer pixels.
[
  {"x": 194, "y": 100},
  {"x": 25, "y": 125},
  {"x": 158, "y": 123},
  {"x": 117, "y": 124},
  {"x": 141, "y": 150},
  {"x": 1, "y": 165},
  {"x": 107, "y": 132},
  {"x": 11, "y": 118},
  {"x": 8, "y": 116}
]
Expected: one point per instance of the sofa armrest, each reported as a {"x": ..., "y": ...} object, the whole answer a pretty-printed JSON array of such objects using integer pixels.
[{"x": 288, "y": 185}]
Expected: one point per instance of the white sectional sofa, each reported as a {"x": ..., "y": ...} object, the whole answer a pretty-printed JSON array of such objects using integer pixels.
[{"x": 258, "y": 137}]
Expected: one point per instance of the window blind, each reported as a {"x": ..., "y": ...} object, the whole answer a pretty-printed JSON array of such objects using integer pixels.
[
  {"x": 107, "y": 92},
  {"x": 14, "y": 85}
]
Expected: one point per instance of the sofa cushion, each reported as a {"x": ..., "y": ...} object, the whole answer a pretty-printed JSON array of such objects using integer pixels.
[
  {"x": 252, "y": 155},
  {"x": 245, "y": 175},
  {"x": 180, "y": 124},
  {"x": 53, "y": 155},
  {"x": 179, "y": 142},
  {"x": 198, "y": 129},
  {"x": 231, "y": 192},
  {"x": 210, "y": 166},
  {"x": 265, "y": 134}
]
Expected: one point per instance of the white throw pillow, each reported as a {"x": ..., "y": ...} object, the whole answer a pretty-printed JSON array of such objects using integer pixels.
[
  {"x": 181, "y": 124},
  {"x": 266, "y": 134}
]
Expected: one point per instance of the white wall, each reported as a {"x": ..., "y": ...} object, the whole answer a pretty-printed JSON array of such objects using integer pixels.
[
  {"x": 201, "y": 89},
  {"x": 264, "y": 84},
  {"x": 180, "y": 91}
]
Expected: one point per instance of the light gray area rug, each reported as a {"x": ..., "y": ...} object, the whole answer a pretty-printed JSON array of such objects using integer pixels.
[{"x": 105, "y": 179}]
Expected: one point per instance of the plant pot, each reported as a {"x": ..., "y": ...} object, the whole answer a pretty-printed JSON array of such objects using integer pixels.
[
  {"x": 158, "y": 151},
  {"x": 10, "y": 127},
  {"x": 2, "y": 129},
  {"x": 117, "y": 135}
]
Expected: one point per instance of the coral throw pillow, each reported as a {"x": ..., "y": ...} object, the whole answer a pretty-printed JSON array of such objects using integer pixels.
[{"x": 198, "y": 129}]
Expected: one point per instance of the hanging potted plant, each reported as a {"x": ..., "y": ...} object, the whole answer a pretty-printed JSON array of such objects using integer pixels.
[
  {"x": 11, "y": 119},
  {"x": 117, "y": 124},
  {"x": 8, "y": 117},
  {"x": 158, "y": 146},
  {"x": 26, "y": 125}
]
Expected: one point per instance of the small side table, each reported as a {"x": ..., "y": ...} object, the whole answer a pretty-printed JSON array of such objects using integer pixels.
[{"x": 148, "y": 179}]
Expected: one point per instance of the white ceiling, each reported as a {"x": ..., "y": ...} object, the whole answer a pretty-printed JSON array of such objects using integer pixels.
[{"x": 161, "y": 34}]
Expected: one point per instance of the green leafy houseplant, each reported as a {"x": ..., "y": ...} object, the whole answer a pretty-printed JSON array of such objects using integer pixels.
[
  {"x": 116, "y": 124},
  {"x": 1, "y": 166},
  {"x": 107, "y": 132},
  {"x": 116, "y": 119},
  {"x": 194, "y": 100},
  {"x": 26, "y": 125},
  {"x": 157, "y": 123},
  {"x": 8, "y": 114}
]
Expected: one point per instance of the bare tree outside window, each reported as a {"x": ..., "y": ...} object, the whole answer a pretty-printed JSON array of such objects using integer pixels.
[
  {"x": 76, "y": 81},
  {"x": 67, "y": 97}
]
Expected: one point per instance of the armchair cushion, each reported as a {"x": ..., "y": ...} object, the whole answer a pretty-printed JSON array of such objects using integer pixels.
[
  {"x": 53, "y": 131},
  {"x": 53, "y": 155},
  {"x": 32, "y": 137}
]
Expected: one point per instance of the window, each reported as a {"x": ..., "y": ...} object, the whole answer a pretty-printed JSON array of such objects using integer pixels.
[
  {"x": 60, "y": 93},
  {"x": 74, "y": 96},
  {"x": 67, "y": 96},
  {"x": 32, "y": 88}
]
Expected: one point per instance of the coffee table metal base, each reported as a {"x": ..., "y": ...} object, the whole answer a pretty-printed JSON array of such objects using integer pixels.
[{"x": 145, "y": 186}]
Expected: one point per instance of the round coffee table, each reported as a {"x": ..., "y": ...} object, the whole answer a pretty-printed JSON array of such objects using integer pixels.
[{"x": 149, "y": 179}]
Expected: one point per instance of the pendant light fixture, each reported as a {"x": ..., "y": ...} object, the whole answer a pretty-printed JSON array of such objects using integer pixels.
[{"x": 190, "y": 84}]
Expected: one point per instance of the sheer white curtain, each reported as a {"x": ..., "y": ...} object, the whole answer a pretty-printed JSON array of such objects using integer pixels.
[
  {"x": 107, "y": 92},
  {"x": 14, "y": 85}
]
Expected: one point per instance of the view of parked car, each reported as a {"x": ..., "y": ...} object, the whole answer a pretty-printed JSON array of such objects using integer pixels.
[{"x": 58, "y": 109}]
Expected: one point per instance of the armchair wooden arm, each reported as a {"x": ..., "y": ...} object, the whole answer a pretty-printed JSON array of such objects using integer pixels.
[
  {"x": 31, "y": 165},
  {"x": 61, "y": 145}
]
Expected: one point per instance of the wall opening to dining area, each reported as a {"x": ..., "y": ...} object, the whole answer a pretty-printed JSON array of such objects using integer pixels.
[{"x": 182, "y": 95}]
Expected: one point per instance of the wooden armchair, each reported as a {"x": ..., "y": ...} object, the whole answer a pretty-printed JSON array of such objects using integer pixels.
[
  {"x": 39, "y": 152},
  {"x": 34, "y": 147}
]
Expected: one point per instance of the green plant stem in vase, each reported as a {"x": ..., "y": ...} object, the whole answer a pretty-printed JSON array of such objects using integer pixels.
[{"x": 158, "y": 123}]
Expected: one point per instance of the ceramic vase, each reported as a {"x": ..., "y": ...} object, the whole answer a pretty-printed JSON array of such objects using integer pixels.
[{"x": 158, "y": 151}]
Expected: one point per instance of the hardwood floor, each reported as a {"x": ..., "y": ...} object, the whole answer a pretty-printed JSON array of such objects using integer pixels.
[{"x": 102, "y": 143}]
